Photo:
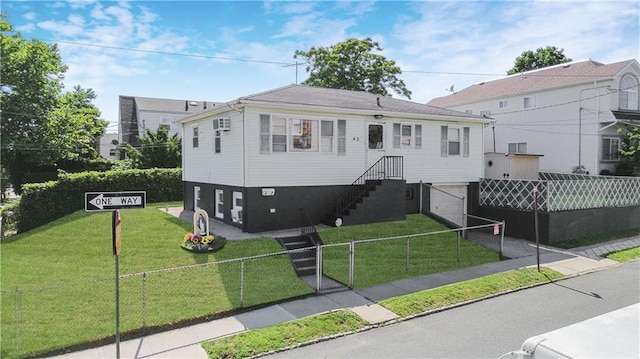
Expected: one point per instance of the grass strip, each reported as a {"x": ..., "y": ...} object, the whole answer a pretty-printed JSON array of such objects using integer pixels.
[
  {"x": 284, "y": 335},
  {"x": 304, "y": 330},
  {"x": 420, "y": 302},
  {"x": 626, "y": 255}
]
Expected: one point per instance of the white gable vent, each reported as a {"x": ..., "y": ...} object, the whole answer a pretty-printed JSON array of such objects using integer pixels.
[{"x": 222, "y": 124}]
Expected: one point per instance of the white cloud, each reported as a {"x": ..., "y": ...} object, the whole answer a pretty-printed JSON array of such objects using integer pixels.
[{"x": 30, "y": 16}]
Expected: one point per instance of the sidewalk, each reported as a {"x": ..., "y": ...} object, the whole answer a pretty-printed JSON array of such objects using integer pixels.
[{"x": 185, "y": 342}]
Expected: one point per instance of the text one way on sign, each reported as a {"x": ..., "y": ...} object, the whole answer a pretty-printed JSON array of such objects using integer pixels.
[{"x": 107, "y": 201}]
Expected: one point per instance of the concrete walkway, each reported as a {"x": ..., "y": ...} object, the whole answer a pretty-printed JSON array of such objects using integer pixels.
[{"x": 185, "y": 342}]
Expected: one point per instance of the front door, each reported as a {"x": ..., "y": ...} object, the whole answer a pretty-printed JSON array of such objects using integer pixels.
[{"x": 376, "y": 146}]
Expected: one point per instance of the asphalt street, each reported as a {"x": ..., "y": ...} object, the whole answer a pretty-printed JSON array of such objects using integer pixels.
[{"x": 489, "y": 328}]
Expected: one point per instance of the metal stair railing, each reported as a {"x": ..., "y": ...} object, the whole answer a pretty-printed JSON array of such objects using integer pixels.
[
  {"x": 387, "y": 167},
  {"x": 308, "y": 229}
]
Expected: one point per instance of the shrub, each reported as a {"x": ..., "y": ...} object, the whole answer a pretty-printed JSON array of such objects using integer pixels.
[{"x": 41, "y": 203}]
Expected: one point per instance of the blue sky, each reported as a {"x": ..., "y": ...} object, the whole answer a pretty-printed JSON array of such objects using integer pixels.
[{"x": 221, "y": 50}]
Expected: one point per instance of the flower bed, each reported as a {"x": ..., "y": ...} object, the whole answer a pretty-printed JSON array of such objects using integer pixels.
[{"x": 202, "y": 244}]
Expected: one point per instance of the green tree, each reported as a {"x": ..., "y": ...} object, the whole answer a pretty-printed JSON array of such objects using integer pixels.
[
  {"x": 630, "y": 150},
  {"x": 542, "y": 57},
  {"x": 40, "y": 124},
  {"x": 157, "y": 150},
  {"x": 353, "y": 65},
  {"x": 31, "y": 79},
  {"x": 74, "y": 127}
]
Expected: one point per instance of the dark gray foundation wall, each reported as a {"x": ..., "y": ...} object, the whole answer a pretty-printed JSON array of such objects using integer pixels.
[
  {"x": 266, "y": 212},
  {"x": 557, "y": 226}
]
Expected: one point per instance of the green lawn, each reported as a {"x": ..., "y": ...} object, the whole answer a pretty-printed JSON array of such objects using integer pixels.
[
  {"x": 60, "y": 278},
  {"x": 58, "y": 281}
]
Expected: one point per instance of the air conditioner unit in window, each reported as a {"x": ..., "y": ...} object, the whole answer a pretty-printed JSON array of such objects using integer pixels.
[{"x": 224, "y": 124}]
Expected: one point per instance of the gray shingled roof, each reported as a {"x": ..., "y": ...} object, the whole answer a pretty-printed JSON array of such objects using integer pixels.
[
  {"x": 302, "y": 95},
  {"x": 169, "y": 105},
  {"x": 550, "y": 77}
]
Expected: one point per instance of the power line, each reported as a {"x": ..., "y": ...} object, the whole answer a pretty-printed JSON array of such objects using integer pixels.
[{"x": 167, "y": 52}]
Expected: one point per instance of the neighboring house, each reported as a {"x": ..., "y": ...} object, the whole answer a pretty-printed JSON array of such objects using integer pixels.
[
  {"x": 255, "y": 162},
  {"x": 108, "y": 147},
  {"x": 137, "y": 114},
  {"x": 569, "y": 113}
]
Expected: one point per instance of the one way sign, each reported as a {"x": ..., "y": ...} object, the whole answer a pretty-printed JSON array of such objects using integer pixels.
[{"x": 110, "y": 201}]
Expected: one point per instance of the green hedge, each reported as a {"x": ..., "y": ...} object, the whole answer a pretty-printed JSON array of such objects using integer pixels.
[{"x": 41, "y": 203}]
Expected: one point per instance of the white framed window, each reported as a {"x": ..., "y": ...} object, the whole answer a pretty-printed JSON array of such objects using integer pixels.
[
  {"x": 529, "y": 102},
  {"x": 629, "y": 93},
  {"x": 236, "y": 207},
  {"x": 396, "y": 135},
  {"x": 517, "y": 147},
  {"x": 326, "y": 133},
  {"x": 485, "y": 113},
  {"x": 407, "y": 135},
  {"x": 195, "y": 137},
  {"x": 403, "y": 135},
  {"x": 196, "y": 198},
  {"x": 465, "y": 141},
  {"x": 219, "y": 203},
  {"x": 265, "y": 133},
  {"x": 611, "y": 149},
  {"x": 470, "y": 112},
  {"x": 342, "y": 137},
  {"x": 279, "y": 135},
  {"x": 216, "y": 140},
  {"x": 304, "y": 135},
  {"x": 418, "y": 142},
  {"x": 503, "y": 104},
  {"x": 285, "y": 134},
  {"x": 454, "y": 141}
]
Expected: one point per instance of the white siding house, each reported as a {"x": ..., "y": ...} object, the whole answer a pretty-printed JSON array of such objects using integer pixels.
[
  {"x": 139, "y": 114},
  {"x": 569, "y": 113},
  {"x": 256, "y": 161}
]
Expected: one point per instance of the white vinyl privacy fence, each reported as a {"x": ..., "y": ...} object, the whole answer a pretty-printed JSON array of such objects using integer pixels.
[{"x": 561, "y": 192}]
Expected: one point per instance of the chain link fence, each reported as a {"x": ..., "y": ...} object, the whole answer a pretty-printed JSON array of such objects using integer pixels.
[{"x": 148, "y": 301}]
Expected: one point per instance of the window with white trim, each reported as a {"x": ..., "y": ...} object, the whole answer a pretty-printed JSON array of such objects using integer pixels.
[
  {"x": 529, "y": 102},
  {"x": 503, "y": 104},
  {"x": 286, "y": 134},
  {"x": 418, "y": 143},
  {"x": 485, "y": 113},
  {"x": 216, "y": 140},
  {"x": 219, "y": 203},
  {"x": 396, "y": 135},
  {"x": 610, "y": 149},
  {"x": 342, "y": 137},
  {"x": 279, "y": 135},
  {"x": 454, "y": 141},
  {"x": 195, "y": 136},
  {"x": 629, "y": 93},
  {"x": 403, "y": 135},
  {"x": 517, "y": 147},
  {"x": 326, "y": 133},
  {"x": 265, "y": 133},
  {"x": 407, "y": 135},
  {"x": 465, "y": 141}
]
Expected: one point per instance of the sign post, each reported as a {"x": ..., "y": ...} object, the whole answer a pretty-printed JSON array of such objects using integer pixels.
[
  {"x": 114, "y": 201},
  {"x": 535, "y": 220},
  {"x": 115, "y": 234}
]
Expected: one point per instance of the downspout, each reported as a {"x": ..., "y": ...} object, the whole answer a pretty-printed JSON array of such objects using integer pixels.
[{"x": 245, "y": 198}]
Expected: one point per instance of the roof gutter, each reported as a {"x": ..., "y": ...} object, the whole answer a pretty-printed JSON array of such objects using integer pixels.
[{"x": 363, "y": 112}]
